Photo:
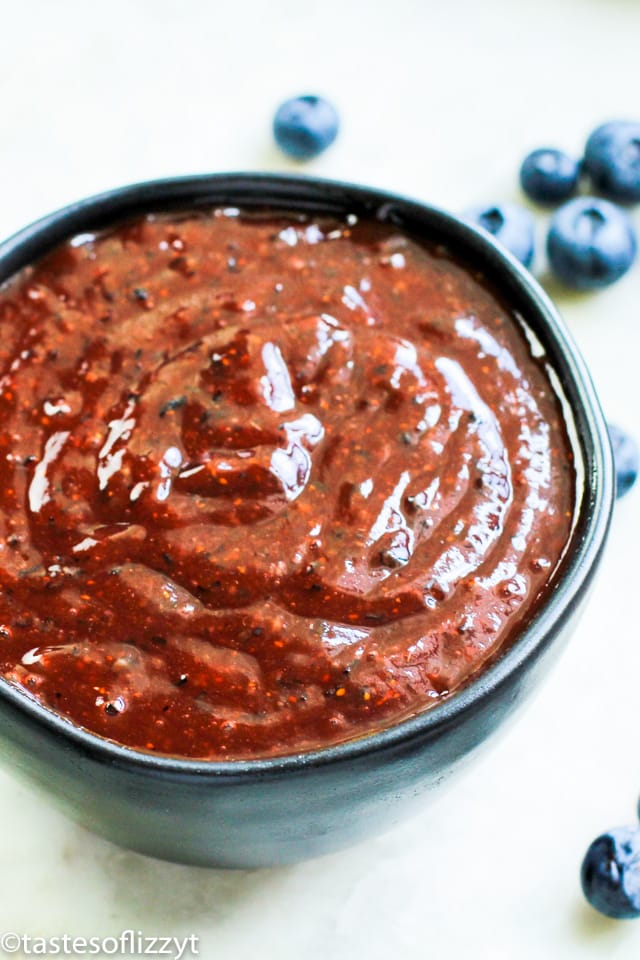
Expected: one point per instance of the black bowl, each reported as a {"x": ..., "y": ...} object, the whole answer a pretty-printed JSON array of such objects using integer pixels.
[{"x": 283, "y": 809}]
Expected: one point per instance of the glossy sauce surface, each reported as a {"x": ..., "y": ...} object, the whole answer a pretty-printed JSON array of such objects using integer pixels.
[{"x": 266, "y": 483}]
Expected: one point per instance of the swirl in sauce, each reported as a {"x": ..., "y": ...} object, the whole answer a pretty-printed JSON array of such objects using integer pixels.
[{"x": 267, "y": 483}]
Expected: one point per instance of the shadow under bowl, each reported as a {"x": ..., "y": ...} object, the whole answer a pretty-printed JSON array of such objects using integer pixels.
[{"x": 284, "y": 809}]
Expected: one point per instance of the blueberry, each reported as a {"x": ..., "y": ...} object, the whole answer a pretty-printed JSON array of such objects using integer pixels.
[
  {"x": 625, "y": 457},
  {"x": 612, "y": 160},
  {"x": 512, "y": 226},
  {"x": 549, "y": 176},
  {"x": 610, "y": 873},
  {"x": 305, "y": 126},
  {"x": 591, "y": 243}
]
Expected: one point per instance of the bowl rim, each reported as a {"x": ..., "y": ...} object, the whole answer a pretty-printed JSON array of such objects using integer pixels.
[{"x": 287, "y": 193}]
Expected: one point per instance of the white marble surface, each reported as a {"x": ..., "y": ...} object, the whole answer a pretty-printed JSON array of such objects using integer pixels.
[{"x": 438, "y": 100}]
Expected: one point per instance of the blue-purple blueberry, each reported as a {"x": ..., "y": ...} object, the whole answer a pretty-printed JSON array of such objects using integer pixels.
[
  {"x": 305, "y": 126},
  {"x": 610, "y": 873},
  {"x": 591, "y": 243},
  {"x": 512, "y": 226},
  {"x": 612, "y": 160},
  {"x": 626, "y": 459},
  {"x": 549, "y": 176}
]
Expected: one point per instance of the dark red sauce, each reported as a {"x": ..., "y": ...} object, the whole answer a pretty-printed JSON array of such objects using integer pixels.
[{"x": 266, "y": 484}]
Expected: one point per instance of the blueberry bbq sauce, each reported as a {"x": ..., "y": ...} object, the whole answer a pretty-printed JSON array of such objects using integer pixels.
[{"x": 267, "y": 483}]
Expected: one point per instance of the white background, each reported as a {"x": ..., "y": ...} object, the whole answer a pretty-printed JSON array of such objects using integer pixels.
[{"x": 442, "y": 101}]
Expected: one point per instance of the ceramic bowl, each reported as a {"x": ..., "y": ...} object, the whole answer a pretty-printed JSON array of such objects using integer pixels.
[{"x": 283, "y": 809}]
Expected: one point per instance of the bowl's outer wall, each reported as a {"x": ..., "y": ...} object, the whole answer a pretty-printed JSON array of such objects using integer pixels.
[{"x": 265, "y": 813}]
